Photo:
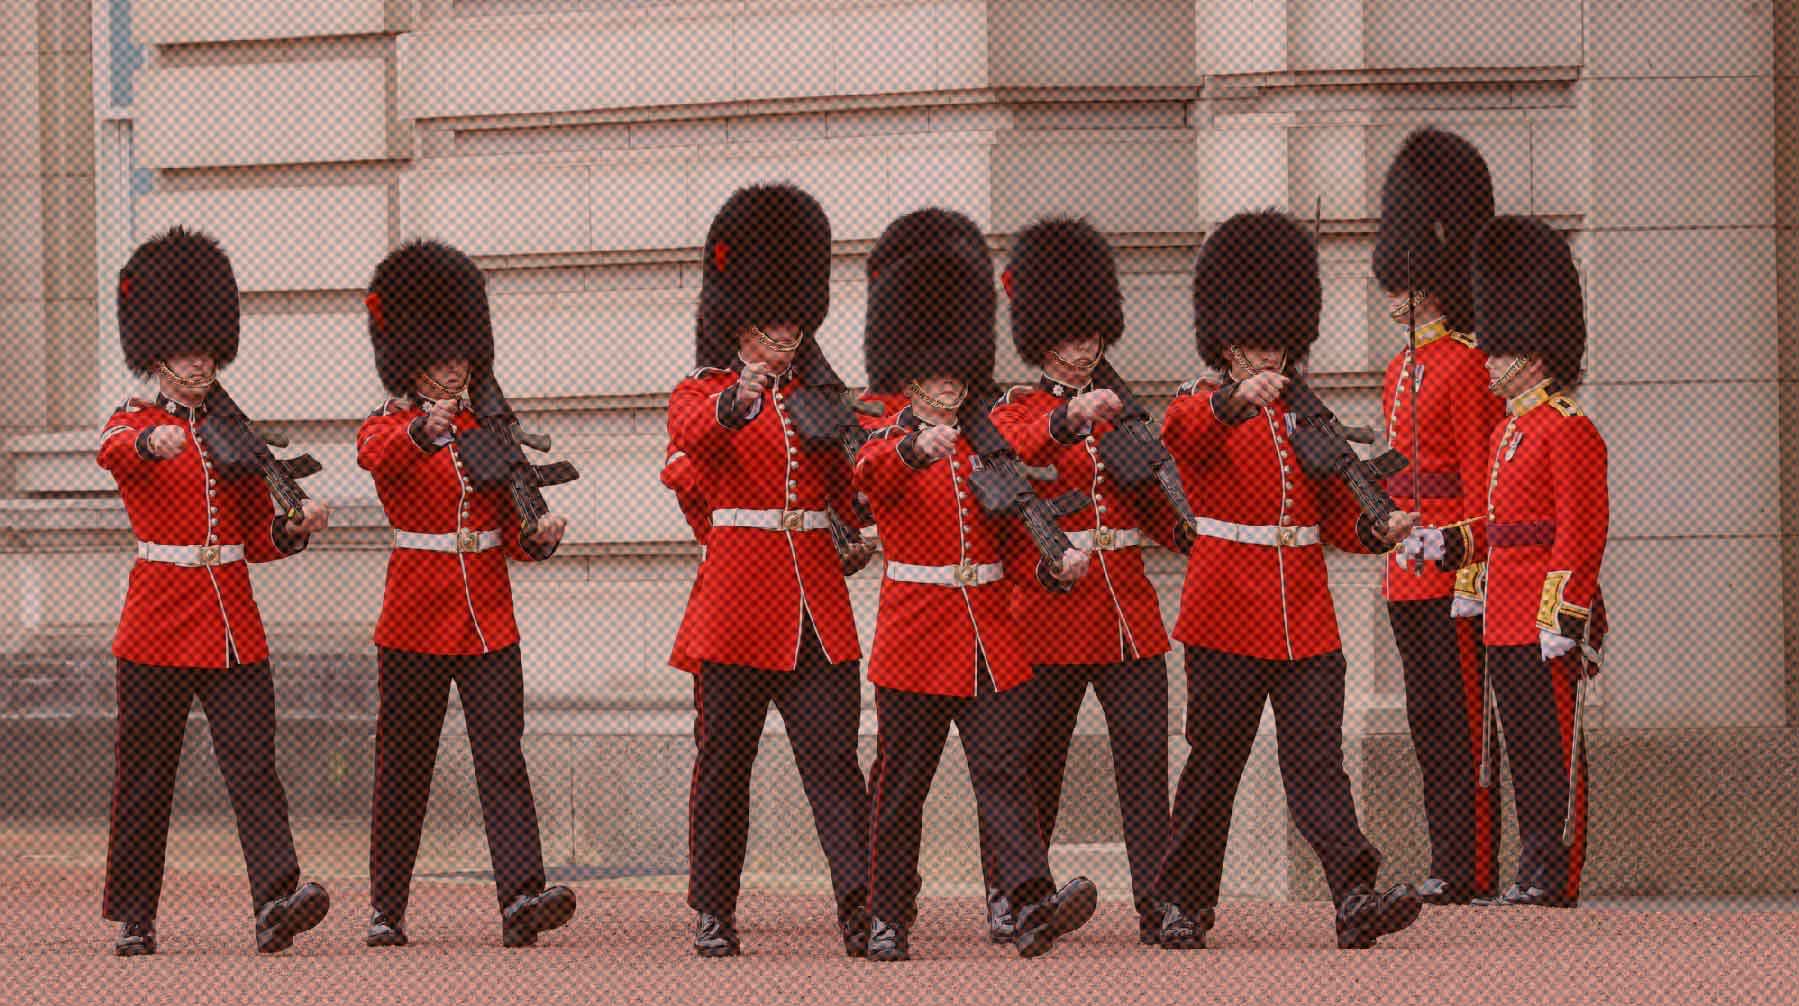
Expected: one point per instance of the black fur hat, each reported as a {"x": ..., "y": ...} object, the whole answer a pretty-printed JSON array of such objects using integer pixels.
[
  {"x": 926, "y": 229},
  {"x": 930, "y": 313},
  {"x": 1437, "y": 196},
  {"x": 1061, "y": 284},
  {"x": 427, "y": 303},
  {"x": 1527, "y": 297},
  {"x": 1256, "y": 284},
  {"x": 767, "y": 262},
  {"x": 177, "y": 294}
]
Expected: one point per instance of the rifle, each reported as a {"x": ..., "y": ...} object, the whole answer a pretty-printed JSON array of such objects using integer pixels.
[
  {"x": 823, "y": 411},
  {"x": 239, "y": 449},
  {"x": 1322, "y": 444},
  {"x": 1134, "y": 454},
  {"x": 1002, "y": 486},
  {"x": 493, "y": 454}
]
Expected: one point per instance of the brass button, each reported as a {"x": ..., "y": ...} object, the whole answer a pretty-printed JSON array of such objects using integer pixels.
[
  {"x": 1104, "y": 537},
  {"x": 793, "y": 520}
]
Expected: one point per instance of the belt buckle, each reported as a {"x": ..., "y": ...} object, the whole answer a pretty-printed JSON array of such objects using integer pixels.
[
  {"x": 966, "y": 573},
  {"x": 468, "y": 540},
  {"x": 1287, "y": 536},
  {"x": 1105, "y": 538},
  {"x": 793, "y": 520},
  {"x": 209, "y": 555}
]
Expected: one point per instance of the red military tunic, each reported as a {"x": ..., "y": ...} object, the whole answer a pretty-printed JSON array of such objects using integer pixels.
[
  {"x": 451, "y": 603},
  {"x": 756, "y": 583},
  {"x": 1548, "y": 513},
  {"x": 1112, "y": 614},
  {"x": 927, "y": 635},
  {"x": 890, "y": 402},
  {"x": 681, "y": 476},
  {"x": 188, "y": 616},
  {"x": 1456, "y": 417},
  {"x": 1267, "y": 601}
]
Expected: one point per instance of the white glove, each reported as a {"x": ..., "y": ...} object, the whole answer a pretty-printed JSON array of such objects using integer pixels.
[
  {"x": 1467, "y": 607},
  {"x": 1423, "y": 543},
  {"x": 1554, "y": 644}
]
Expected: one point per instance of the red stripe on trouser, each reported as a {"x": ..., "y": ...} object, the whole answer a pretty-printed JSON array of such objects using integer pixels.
[
  {"x": 693, "y": 782},
  {"x": 1473, "y": 667},
  {"x": 1563, "y": 673}
]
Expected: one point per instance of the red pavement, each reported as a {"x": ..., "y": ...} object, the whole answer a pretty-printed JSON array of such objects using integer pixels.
[{"x": 630, "y": 946}]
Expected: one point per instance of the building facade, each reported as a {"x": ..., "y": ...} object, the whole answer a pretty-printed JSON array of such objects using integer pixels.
[{"x": 579, "y": 147}]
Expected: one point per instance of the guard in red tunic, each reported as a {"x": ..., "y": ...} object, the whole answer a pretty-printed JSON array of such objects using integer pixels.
[
  {"x": 1107, "y": 632},
  {"x": 191, "y": 629},
  {"x": 769, "y": 620},
  {"x": 1256, "y": 613},
  {"x": 1440, "y": 414},
  {"x": 447, "y": 615},
  {"x": 1543, "y": 537},
  {"x": 945, "y": 649}
]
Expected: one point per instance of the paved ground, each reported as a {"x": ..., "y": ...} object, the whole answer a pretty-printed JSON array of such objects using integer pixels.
[{"x": 628, "y": 945}]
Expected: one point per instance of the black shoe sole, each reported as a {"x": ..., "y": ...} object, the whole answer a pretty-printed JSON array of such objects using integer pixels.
[
  {"x": 711, "y": 952},
  {"x": 889, "y": 957},
  {"x": 1398, "y": 917},
  {"x": 1000, "y": 939},
  {"x": 296, "y": 919},
  {"x": 387, "y": 939},
  {"x": 133, "y": 950},
  {"x": 545, "y": 915}
]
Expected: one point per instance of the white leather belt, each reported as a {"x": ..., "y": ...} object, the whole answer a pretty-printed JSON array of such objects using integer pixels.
[
  {"x": 773, "y": 520},
  {"x": 1104, "y": 539},
  {"x": 467, "y": 540},
  {"x": 1254, "y": 534},
  {"x": 190, "y": 555},
  {"x": 967, "y": 574}
]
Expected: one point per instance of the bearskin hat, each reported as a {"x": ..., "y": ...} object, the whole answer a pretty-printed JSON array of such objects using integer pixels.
[
  {"x": 767, "y": 262},
  {"x": 1256, "y": 284},
  {"x": 177, "y": 295},
  {"x": 929, "y": 228},
  {"x": 427, "y": 303},
  {"x": 1437, "y": 196},
  {"x": 1061, "y": 284},
  {"x": 1527, "y": 297},
  {"x": 930, "y": 313}
]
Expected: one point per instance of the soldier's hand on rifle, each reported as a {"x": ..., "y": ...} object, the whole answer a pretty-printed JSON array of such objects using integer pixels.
[
  {"x": 550, "y": 528},
  {"x": 856, "y": 556},
  {"x": 1260, "y": 390},
  {"x": 1397, "y": 528},
  {"x": 750, "y": 386},
  {"x": 440, "y": 421},
  {"x": 937, "y": 442},
  {"x": 1100, "y": 406},
  {"x": 1073, "y": 565},
  {"x": 167, "y": 441},
  {"x": 1423, "y": 543},
  {"x": 315, "y": 515}
]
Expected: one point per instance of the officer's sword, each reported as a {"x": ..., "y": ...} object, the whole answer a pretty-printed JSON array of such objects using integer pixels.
[{"x": 1577, "y": 746}]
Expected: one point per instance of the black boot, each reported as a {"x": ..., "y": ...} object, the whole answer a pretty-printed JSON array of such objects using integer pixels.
[
  {"x": 1180, "y": 931},
  {"x": 1437, "y": 891},
  {"x": 1042, "y": 923},
  {"x": 1149, "y": 923},
  {"x": 1364, "y": 917},
  {"x": 716, "y": 936},
  {"x": 135, "y": 939},
  {"x": 888, "y": 941},
  {"x": 1520, "y": 896},
  {"x": 852, "y": 922},
  {"x": 531, "y": 914},
  {"x": 1001, "y": 926},
  {"x": 386, "y": 931},
  {"x": 281, "y": 920}
]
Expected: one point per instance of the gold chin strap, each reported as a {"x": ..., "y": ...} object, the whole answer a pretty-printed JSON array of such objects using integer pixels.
[
  {"x": 1243, "y": 361},
  {"x": 775, "y": 344},
  {"x": 1400, "y": 310},
  {"x": 446, "y": 391},
  {"x": 1081, "y": 366},
  {"x": 918, "y": 391},
  {"x": 1512, "y": 371},
  {"x": 186, "y": 382}
]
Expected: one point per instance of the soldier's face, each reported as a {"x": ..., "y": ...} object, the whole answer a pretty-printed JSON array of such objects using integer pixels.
[
  {"x": 941, "y": 392},
  {"x": 772, "y": 345},
  {"x": 1418, "y": 306},
  {"x": 192, "y": 368},
  {"x": 1511, "y": 373},
  {"x": 1254, "y": 359},
  {"x": 448, "y": 376},
  {"x": 1079, "y": 354}
]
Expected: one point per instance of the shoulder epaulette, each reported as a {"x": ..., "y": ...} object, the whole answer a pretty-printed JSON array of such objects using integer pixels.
[
  {"x": 1006, "y": 399},
  {"x": 387, "y": 408},
  {"x": 134, "y": 404},
  {"x": 1465, "y": 338},
  {"x": 699, "y": 372},
  {"x": 1566, "y": 406},
  {"x": 1189, "y": 388}
]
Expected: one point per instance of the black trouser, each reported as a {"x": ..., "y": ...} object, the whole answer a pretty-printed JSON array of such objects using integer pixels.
[
  {"x": 240, "y": 713},
  {"x": 1443, "y": 661},
  {"x": 1225, "y": 693},
  {"x": 1134, "y": 696},
  {"x": 415, "y": 689},
  {"x": 995, "y": 728},
  {"x": 821, "y": 706},
  {"x": 1536, "y": 707}
]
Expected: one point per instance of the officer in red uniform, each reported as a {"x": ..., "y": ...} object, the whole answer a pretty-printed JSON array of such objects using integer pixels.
[
  {"x": 1543, "y": 537},
  {"x": 1062, "y": 289},
  {"x": 945, "y": 649},
  {"x": 1256, "y": 613},
  {"x": 190, "y": 628},
  {"x": 769, "y": 620},
  {"x": 1440, "y": 414},
  {"x": 447, "y": 614}
]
